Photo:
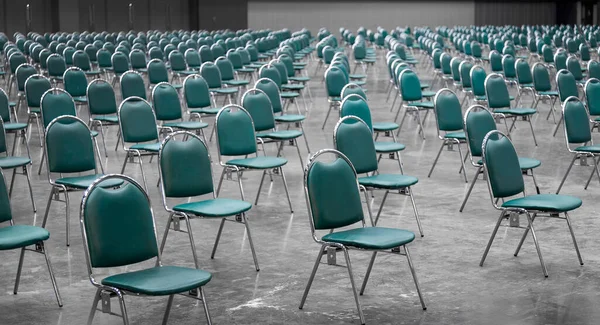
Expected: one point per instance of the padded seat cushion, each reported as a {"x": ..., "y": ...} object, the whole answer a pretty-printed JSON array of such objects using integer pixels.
[
  {"x": 288, "y": 95},
  {"x": 428, "y": 105},
  {"x": 245, "y": 70},
  {"x": 289, "y": 118},
  {"x": 292, "y": 86},
  {"x": 151, "y": 147},
  {"x": 548, "y": 93},
  {"x": 260, "y": 162},
  {"x": 280, "y": 135},
  {"x": 427, "y": 94},
  {"x": 371, "y": 237},
  {"x": 236, "y": 82},
  {"x": 207, "y": 110},
  {"x": 593, "y": 148},
  {"x": 12, "y": 162},
  {"x": 385, "y": 126},
  {"x": 159, "y": 281},
  {"x": 107, "y": 118},
  {"x": 456, "y": 135},
  {"x": 225, "y": 91},
  {"x": 516, "y": 111},
  {"x": 545, "y": 203},
  {"x": 18, "y": 236},
  {"x": 219, "y": 207},
  {"x": 187, "y": 125},
  {"x": 524, "y": 163},
  {"x": 83, "y": 182},
  {"x": 388, "y": 146},
  {"x": 15, "y": 126},
  {"x": 388, "y": 181},
  {"x": 299, "y": 79},
  {"x": 80, "y": 99}
]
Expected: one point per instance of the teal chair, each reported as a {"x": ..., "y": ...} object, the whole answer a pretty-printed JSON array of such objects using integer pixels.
[
  {"x": 118, "y": 229},
  {"x": 498, "y": 100},
  {"x": 132, "y": 85},
  {"x": 82, "y": 61},
  {"x": 23, "y": 72},
  {"x": 212, "y": 75},
  {"x": 75, "y": 83},
  {"x": 158, "y": 72},
  {"x": 543, "y": 88},
  {"x": 139, "y": 131},
  {"x": 69, "y": 151},
  {"x": 465, "y": 80},
  {"x": 351, "y": 137},
  {"x": 236, "y": 137},
  {"x": 448, "y": 116},
  {"x": 412, "y": 99},
  {"x": 35, "y": 86},
  {"x": 333, "y": 197},
  {"x": 22, "y": 237},
  {"x": 478, "y": 75},
  {"x": 379, "y": 127},
  {"x": 102, "y": 108},
  {"x": 10, "y": 161},
  {"x": 120, "y": 65},
  {"x": 478, "y": 121},
  {"x": 592, "y": 100},
  {"x": 505, "y": 180},
  {"x": 138, "y": 60},
  {"x": 593, "y": 69},
  {"x": 258, "y": 104},
  {"x": 567, "y": 87},
  {"x": 11, "y": 126},
  {"x": 186, "y": 172},
  {"x": 167, "y": 109},
  {"x": 524, "y": 81},
  {"x": 199, "y": 102},
  {"x": 578, "y": 137},
  {"x": 335, "y": 80}
]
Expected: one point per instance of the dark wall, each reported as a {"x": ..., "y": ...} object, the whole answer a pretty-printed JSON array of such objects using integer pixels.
[
  {"x": 515, "y": 12},
  {"x": 12, "y": 15},
  {"x": 222, "y": 14}
]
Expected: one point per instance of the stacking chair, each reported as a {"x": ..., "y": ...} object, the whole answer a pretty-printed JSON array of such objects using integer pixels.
[
  {"x": 139, "y": 132},
  {"x": 478, "y": 75},
  {"x": 69, "y": 149},
  {"x": 575, "y": 69},
  {"x": 212, "y": 75},
  {"x": 505, "y": 180},
  {"x": 335, "y": 80},
  {"x": 138, "y": 61},
  {"x": 228, "y": 73},
  {"x": 288, "y": 95},
  {"x": 412, "y": 95},
  {"x": 120, "y": 65},
  {"x": 593, "y": 69},
  {"x": 258, "y": 104},
  {"x": 82, "y": 61},
  {"x": 22, "y": 237},
  {"x": 132, "y": 85},
  {"x": 102, "y": 108},
  {"x": 119, "y": 231},
  {"x": 23, "y": 72},
  {"x": 157, "y": 73},
  {"x": 578, "y": 137},
  {"x": 466, "y": 87},
  {"x": 543, "y": 88},
  {"x": 14, "y": 61},
  {"x": 592, "y": 99},
  {"x": 567, "y": 87},
  {"x": 75, "y": 83},
  {"x": 185, "y": 171},
  {"x": 351, "y": 137},
  {"x": 448, "y": 116},
  {"x": 236, "y": 137},
  {"x": 10, "y": 125},
  {"x": 478, "y": 121},
  {"x": 524, "y": 81},
  {"x": 498, "y": 100},
  {"x": 10, "y": 161},
  {"x": 332, "y": 193},
  {"x": 167, "y": 109},
  {"x": 198, "y": 99},
  {"x": 35, "y": 86}
]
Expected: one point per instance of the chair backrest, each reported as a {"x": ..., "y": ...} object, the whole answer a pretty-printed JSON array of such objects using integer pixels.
[
  {"x": 495, "y": 61},
  {"x": 101, "y": 98},
  {"x": 235, "y": 132},
  {"x": 206, "y": 54},
  {"x": 177, "y": 61},
  {"x": 54, "y": 103},
  {"x": 117, "y": 224},
  {"x": 225, "y": 68},
  {"x": 195, "y": 92},
  {"x": 501, "y": 165},
  {"x": 465, "y": 70},
  {"x": 335, "y": 80},
  {"x": 574, "y": 67},
  {"x": 132, "y": 85},
  {"x": 478, "y": 121},
  {"x": 270, "y": 72},
  {"x": 82, "y": 60},
  {"x": 270, "y": 88},
  {"x": 593, "y": 69},
  {"x": 355, "y": 105},
  {"x": 192, "y": 58},
  {"x": 120, "y": 63},
  {"x": 23, "y": 72},
  {"x": 455, "y": 67},
  {"x": 577, "y": 122},
  {"x": 15, "y": 60},
  {"x": 165, "y": 101},
  {"x": 75, "y": 82},
  {"x": 508, "y": 66},
  {"x": 137, "y": 59},
  {"x": 523, "y": 72},
  {"x": 351, "y": 89},
  {"x": 496, "y": 92},
  {"x": 280, "y": 66},
  {"x": 211, "y": 74},
  {"x": 566, "y": 84},
  {"x": 185, "y": 166},
  {"x": 137, "y": 121},
  {"x": 410, "y": 86},
  {"x": 478, "y": 76},
  {"x": 5, "y": 209},
  {"x": 541, "y": 77},
  {"x": 353, "y": 137},
  {"x": 448, "y": 112},
  {"x": 35, "y": 87},
  {"x": 560, "y": 60},
  {"x": 157, "y": 72},
  {"x": 5, "y": 107},
  {"x": 592, "y": 96},
  {"x": 56, "y": 65},
  {"x": 258, "y": 104},
  {"x": 332, "y": 192},
  {"x": 69, "y": 146}
]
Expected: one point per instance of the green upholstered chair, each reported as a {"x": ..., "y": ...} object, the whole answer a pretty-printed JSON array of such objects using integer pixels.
[
  {"x": 12, "y": 126},
  {"x": 578, "y": 136},
  {"x": 575, "y": 69},
  {"x": 118, "y": 230},
  {"x": 335, "y": 80},
  {"x": 35, "y": 86},
  {"x": 178, "y": 65},
  {"x": 269, "y": 87},
  {"x": 229, "y": 76},
  {"x": 212, "y": 75},
  {"x": 56, "y": 68},
  {"x": 82, "y": 61},
  {"x": 69, "y": 151},
  {"x": 593, "y": 69},
  {"x": 104, "y": 62},
  {"x": 508, "y": 69},
  {"x": 478, "y": 75},
  {"x": 137, "y": 58},
  {"x": 167, "y": 109},
  {"x": 288, "y": 95},
  {"x": 479, "y": 121},
  {"x": 132, "y": 85},
  {"x": 16, "y": 163},
  {"x": 120, "y": 65},
  {"x": 333, "y": 198},
  {"x": 498, "y": 100},
  {"x": 198, "y": 99},
  {"x": 75, "y": 83},
  {"x": 592, "y": 99},
  {"x": 258, "y": 104},
  {"x": 505, "y": 181},
  {"x": 356, "y": 105},
  {"x": 566, "y": 85},
  {"x": 543, "y": 88},
  {"x": 158, "y": 72},
  {"x": 449, "y": 122},
  {"x": 292, "y": 76},
  {"x": 351, "y": 137},
  {"x": 14, "y": 61},
  {"x": 185, "y": 172},
  {"x": 524, "y": 80},
  {"x": 192, "y": 58},
  {"x": 22, "y": 237},
  {"x": 23, "y": 72},
  {"x": 102, "y": 108},
  {"x": 464, "y": 70},
  {"x": 236, "y": 137},
  {"x": 139, "y": 131},
  {"x": 412, "y": 99}
]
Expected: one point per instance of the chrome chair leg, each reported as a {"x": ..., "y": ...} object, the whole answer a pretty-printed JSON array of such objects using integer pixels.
[
  {"x": 245, "y": 220},
  {"x": 51, "y": 273},
  {"x": 414, "y": 275},
  {"x": 168, "y": 310},
  {"x": 537, "y": 246},
  {"x": 532, "y": 131},
  {"x": 262, "y": 179},
  {"x": 285, "y": 186},
  {"x": 462, "y": 207},
  {"x": 351, "y": 275},
  {"x": 123, "y": 308},
  {"x": 595, "y": 170},
  {"x": 205, "y": 305},
  {"x": 364, "y": 285},
  {"x": 219, "y": 232},
  {"x": 191, "y": 236},
  {"x": 94, "y": 306},
  {"x": 566, "y": 174},
  {"x": 573, "y": 237},
  {"x": 19, "y": 268},
  {"x": 380, "y": 207},
  {"x": 166, "y": 233},
  {"x": 312, "y": 276},
  {"x": 487, "y": 249},
  {"x": 462, "y": 161},
  {"x": 524, "y": 236},
  {"x": 436, "y": 158},
  {"x": 412, "y": 200}
]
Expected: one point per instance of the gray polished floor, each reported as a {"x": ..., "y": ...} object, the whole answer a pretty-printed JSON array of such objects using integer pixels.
[{"x": 506, "y": 290}]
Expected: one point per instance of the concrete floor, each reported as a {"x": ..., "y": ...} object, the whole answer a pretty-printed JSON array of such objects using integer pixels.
[{"x": 507, "y": 290}]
